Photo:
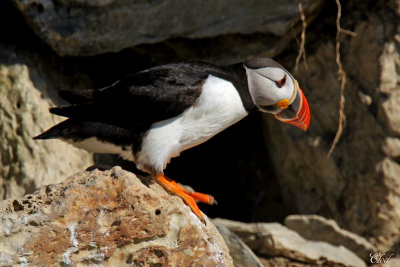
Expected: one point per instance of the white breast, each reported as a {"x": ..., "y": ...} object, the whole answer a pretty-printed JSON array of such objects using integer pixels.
[{"x": 218, "y": 107}]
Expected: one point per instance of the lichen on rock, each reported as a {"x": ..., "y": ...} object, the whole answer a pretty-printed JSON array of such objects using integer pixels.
[{"x": 110, "y": 217}]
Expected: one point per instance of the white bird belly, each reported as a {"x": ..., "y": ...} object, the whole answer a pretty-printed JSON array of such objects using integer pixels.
[
  {"x": 218, "y": 107},
  {"x": 96, "y": 146}
]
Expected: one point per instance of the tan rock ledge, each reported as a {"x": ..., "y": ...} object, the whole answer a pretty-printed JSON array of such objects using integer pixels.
[{"x": 106, "y": 217}]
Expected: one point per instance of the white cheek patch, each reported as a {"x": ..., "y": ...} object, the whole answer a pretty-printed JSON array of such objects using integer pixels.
[{"x": 263, "y": 87}]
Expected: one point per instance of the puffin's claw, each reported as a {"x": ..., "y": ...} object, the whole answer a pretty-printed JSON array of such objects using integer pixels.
[{"x": 188, "y": 197}]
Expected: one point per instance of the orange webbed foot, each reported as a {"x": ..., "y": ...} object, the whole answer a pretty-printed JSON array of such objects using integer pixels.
[
  {"x": 205, "y": 198},
  {"x": 188, "y": 197}
]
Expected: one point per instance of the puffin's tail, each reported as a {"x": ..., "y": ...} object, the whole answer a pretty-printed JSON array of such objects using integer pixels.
[
  {"x": 58, "y": 131},
  {"x": 76, "y": 130}
]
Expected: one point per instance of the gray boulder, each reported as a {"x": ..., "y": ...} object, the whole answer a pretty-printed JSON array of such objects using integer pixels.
[
  {"x": 241, "y": 254},
  {"x": 274, "y": 239},
  {"x": 318, "y": 228},
  {"x": 84, "y": 27}
]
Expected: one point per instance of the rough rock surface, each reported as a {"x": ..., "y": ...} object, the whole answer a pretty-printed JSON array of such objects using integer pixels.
[
  {"x": 109, "y": 218},
  {"x": 83, "y": 27},
  {"x": 26, "y": 93},
  {"x": 273, "y": 239},
  {"x": 241, "y": 254},
  {"x": 359, "y": 185},
  {"x": 318, "y": 228},
  {"x": 284, "y": 262}
]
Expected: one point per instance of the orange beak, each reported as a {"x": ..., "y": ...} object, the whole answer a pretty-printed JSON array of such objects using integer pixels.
[
  {"x": 298, "y": 113},
  {"x": 302, "y": 119}
]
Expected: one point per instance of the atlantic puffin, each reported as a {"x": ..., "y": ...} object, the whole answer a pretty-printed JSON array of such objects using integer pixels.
[{"x": 153, "y": 115}]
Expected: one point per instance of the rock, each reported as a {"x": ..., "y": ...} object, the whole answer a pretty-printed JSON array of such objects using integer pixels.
[
  {"x": 82, "y": 28},
  {"x": 26, "y": 93},
  {"x": 390, "y": 112},
  {"x": 391, "y": 147},
  {"x": 283, "y": 262},
  {"x": 389, "y": 105},
  {"x": 318, "y": 228},
  {"x": 273, "y": 239},
  {"x": 241, "y": 254},
  {"x": 111, "y": 218},
  {"x": 220, "y": 50}
]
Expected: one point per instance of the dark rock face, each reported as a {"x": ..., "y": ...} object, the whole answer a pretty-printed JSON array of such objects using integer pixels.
[
  {"x": 358, "y": 185},
  {"x": 84, "y": 28}
]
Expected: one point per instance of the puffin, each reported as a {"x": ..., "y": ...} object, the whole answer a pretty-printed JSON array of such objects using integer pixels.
[{"x": 153, "y": 115}]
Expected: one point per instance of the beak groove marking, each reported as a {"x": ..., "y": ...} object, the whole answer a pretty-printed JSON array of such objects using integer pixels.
[{"x": 302, "y": 119}]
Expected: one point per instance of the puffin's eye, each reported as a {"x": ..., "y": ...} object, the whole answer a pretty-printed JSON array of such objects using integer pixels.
[{"x": 281, "y": 82}]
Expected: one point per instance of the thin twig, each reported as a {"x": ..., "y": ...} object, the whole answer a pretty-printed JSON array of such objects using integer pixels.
[
  {"x": 302, "y": 52},
  {"x": 352, "y": 34},
  {"x": 342, "y": 79}
]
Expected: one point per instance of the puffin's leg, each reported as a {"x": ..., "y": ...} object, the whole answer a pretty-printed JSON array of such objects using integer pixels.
[
  {"x": 174, "y": 188},
  {"x": 205, "y": 198}
]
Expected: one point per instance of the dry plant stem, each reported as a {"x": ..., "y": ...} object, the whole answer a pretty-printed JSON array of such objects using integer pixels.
[
  {"x": 302, "y": 52},
  {"x": 341, "y": 78}
]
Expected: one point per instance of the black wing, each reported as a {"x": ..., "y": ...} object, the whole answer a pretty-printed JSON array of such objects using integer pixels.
[{"x": 140, "y": 99}]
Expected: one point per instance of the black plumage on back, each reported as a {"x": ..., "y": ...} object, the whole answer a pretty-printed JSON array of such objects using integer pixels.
[
  {"x": 131, "y": 105},
  {"x": 140, "y": 99}
]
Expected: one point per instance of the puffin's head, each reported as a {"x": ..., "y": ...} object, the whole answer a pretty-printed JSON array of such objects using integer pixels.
[{"x": 274, "y": 90}]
